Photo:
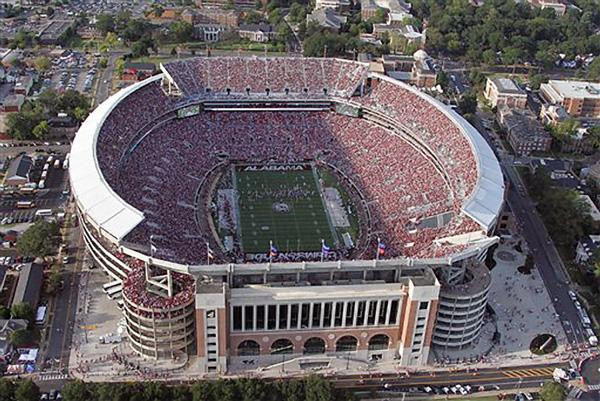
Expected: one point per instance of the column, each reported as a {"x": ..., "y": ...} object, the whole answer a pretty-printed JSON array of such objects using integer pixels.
[
  {"x": 344, "y": 313},
  {"x": 388, "y": 312},
  {"x": 310, "y": 315}
]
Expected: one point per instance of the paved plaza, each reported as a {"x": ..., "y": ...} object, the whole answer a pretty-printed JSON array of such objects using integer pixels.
[{"x": 523, "y": 309}]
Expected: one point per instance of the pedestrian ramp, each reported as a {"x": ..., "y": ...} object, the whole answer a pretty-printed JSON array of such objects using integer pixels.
[{"x": 537, "y": 372}]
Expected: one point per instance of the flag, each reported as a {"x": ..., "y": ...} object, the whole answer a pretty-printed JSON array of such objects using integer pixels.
[
  {"x": 325, "y": 249},
  {"x": 380, "y": 248},
  {"x": 273, "y": 251},
  {"x": 153, "y": 247},
  {"x": 209, "y": 252}
]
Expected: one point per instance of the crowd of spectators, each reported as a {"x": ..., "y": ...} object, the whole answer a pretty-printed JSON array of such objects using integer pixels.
[
  {"x": 216, "y": 76},
  {"x": 156, "y": 162},
  {"x": 432, "y": 127}
]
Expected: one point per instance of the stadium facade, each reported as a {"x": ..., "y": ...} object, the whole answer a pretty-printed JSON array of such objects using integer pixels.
[{"x": 142, "y": 173}]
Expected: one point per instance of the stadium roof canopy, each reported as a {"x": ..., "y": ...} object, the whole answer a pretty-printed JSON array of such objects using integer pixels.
[{"x": 103, "y": 208}]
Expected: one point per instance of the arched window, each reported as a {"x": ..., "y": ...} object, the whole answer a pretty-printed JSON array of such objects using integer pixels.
[
  {"x": 346, "y": 343},
  {"x": 282, "y": 346},
  {"x": 248, "y": 347},
  {"x": 314, "y": 345},
  {"x": 379, "y": 342}
]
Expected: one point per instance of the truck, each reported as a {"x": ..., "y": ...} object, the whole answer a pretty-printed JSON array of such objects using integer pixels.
[
  {"x": 560, "y": 375},
  {"x": 592, "y": 339}
]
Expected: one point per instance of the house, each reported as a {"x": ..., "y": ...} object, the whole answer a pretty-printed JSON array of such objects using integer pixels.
[
  {"x": 18, "y": 171},
  {"x": 580, "y": 143},
  {"x": 228, "y": 18},
  {"x": 586, "y": 247},
  {"x": 327, "y": 18},
  {"x": 260, "y": 33},
  {"x": 593, "y": 210},
  {"x": 138, "y": 71},
  {"x": 29, "y": 285},
  {"x": 524, "y": 133},
  {"x": 23, "y": 85},
  {"x": 505, "y": 92},
  {"x": 7, "y": 327},
  {"x": 12, "y": 103}
]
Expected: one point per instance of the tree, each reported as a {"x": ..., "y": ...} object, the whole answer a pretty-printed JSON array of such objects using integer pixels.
[
  {"x": 39, "y": 240},
  {"x": 4, "y": 313},
  {"x": 442, "y": 80},
  {"x": 27, "y": 391},
  {"x": 252, "y": 17},
  {"x": 77, "y": 390},
  {"x": 20, "y": 125},
  {"x": 54, "y": 281},
  {"x": 297, "y": 13},
  {"x": 41, "y": 130},
  {"x": 552, "y": 391},
  {"x": 318, "y": 389},
  {"x": 202, "y": 391},
  {"x": 42, "y": 64},
  {"x": 22, "y": 311},
  {"x": 328, "y": 44},
  {"x": 182, "y": 31},
  {"x": 593, "y": 71},
  {"x": 105, "y": 23},
  {"x": 20, "y": 338},
  {"x": 467, "y": 103},
  {"x": 7, "y": 390}
]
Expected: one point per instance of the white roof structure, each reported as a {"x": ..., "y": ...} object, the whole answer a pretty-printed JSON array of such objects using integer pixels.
[
  {"x": 487, "y": 198},
  {"x": 103, "y": 208},
  {"x": 557, "y": 90}
]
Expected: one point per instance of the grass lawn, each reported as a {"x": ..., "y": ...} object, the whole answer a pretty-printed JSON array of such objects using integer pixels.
[{"x": 284, "y": 207}]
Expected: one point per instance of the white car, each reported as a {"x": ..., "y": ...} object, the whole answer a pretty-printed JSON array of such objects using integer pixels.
[{"x": 572, "y": 295}]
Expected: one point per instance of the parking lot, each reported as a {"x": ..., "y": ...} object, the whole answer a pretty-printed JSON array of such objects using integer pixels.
[{"x": 47, "y": 190}]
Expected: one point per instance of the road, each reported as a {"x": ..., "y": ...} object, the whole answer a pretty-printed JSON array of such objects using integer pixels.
[
  {"x": 105, "y": 80},
  {"x": 541, "y": 247}
]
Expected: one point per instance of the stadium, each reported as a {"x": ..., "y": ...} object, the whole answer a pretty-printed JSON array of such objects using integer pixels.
[{"x": 253, "y": 209}]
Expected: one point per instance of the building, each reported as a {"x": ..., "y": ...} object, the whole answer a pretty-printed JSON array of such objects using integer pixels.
[
  {"x": 7, "y": 327},
  {"x": 18, "y": 171},
  {"x": 260, "y": 33},
  {"x": 338, "y": 5},
  {"x": 505, "y": 92},
  {"x": 12, "y": 103},
  {"x": 578, "y": 98},
  {"x": 55, "y": 31},
  {"x": 209, "y": 32},
  {"x": 251, "y": 310},
  {"x": 23, "y": 85},
  {"x": 553, "y": 114},
  {"x": 327, "y": 18},
  {"x": 29, "y": 285},
  {"x": 580, "y": 142},
  {"x": 228, "y": 18},
  {"x": 238, "y": 4},
  {"x": 524, "y": 133},
  {"x": 592, "y": 208},
  {"x": 586, "y": 247},
  {"x": 138, "y": 71},
  {"x": 422, "y": 73}
]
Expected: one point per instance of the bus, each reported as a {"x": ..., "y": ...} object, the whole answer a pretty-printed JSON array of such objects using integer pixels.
[
  {"x": 25, "y": 204},
  {"x": 43, "y": 212}
]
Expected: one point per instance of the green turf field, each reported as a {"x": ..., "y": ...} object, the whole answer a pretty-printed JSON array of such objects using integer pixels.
[{"x": 301, "y": 221}]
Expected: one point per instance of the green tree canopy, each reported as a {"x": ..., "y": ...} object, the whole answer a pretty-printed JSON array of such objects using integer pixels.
[
  {"x": 27, "y": 391},
  {"x": 38, "y": 240},
  {"x": 22, "y": 311},
  {"x": 41, "y": 130},
  {"x": 553, "y": 391},
  {"x": 182, "y": 31},
  {"x": 42, "y": 63},
  {"x": 20, "y": 338}
]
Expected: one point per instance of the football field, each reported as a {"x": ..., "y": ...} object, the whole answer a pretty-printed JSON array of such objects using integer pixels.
[{"x": 284, "y": 207}]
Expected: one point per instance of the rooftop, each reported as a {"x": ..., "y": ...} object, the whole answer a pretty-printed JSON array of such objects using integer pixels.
[
  {"x": 576, "y": 89},
  {"x": 29, "y": 285},
  {"x": 506, "y": 85}
]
